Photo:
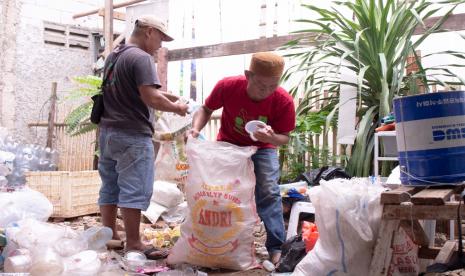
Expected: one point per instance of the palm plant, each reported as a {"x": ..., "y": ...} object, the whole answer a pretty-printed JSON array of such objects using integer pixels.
[
  {"x": 78, "y": 120},
  {"x": 374, "y": 44}
]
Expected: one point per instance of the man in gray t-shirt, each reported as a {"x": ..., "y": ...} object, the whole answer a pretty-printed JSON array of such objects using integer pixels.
[{"x": 126, "y": 163}]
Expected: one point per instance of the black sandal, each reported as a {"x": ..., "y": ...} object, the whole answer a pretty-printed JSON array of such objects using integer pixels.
[{"x": 154, "y": 253}]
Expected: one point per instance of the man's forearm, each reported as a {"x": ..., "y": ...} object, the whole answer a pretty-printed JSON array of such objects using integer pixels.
[
  {"x": 169, "y": 95},
  {"x": 201, "y": 118},
  {"x": 279, "y": 139},
  {"x": 163, "y": 103}
]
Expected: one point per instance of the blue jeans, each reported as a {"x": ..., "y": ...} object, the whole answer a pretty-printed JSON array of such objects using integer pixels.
[
  {"x": 268, "y": 197},
  {"x": 126, "y": 167}
]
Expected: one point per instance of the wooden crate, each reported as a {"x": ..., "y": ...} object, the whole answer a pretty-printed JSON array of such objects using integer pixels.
[{"x": 71, "y": 193}]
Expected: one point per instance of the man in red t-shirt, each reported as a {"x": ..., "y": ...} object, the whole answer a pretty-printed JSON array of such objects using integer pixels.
[{"x": 256, "y": 96}]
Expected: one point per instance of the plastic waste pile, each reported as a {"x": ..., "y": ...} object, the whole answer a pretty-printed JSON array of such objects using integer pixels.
[
  {"x": 165, "y": 237},
  {"x": 42, "y": 248},
  {"x": 31, "y": 246},
  {"x": 17, "y": 157},
  {"x": 296, "y": 190}
]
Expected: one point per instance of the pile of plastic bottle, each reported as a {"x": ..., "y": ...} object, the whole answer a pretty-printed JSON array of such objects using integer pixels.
[{"x": 17, "y": 157}]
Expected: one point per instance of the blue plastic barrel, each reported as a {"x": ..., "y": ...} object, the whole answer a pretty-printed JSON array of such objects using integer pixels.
[{"x": 431, "y": 138}]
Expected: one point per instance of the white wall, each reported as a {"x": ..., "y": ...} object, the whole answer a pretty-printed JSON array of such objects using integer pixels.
[{"x": 30, "y": 66}]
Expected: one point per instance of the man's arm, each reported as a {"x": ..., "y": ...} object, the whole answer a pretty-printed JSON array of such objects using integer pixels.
[
  {"x": 155, "y": 99},
  {"x": 201, "y": 118},
  {"x": 267, "y": 135},
  {"x": 169, "y": 95}
]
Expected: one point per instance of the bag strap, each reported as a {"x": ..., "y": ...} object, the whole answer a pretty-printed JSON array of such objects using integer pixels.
[{"x": 111, "y": 65}]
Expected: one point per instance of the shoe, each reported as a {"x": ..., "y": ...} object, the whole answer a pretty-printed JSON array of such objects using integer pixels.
[{"x": 275, "y": 257}]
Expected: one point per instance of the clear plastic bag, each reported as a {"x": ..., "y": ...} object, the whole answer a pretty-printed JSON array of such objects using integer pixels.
[
  {"x": 23, "y": 203},
  {"x": 218, "y": 232},
  {"x": 171, "y": 163}
]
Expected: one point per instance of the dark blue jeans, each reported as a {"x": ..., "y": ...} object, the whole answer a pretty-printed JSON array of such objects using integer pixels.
[{"x": 268, "y": 197}]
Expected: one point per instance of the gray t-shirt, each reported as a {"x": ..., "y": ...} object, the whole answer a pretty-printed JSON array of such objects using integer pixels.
[{"x": 124, "y": 107}]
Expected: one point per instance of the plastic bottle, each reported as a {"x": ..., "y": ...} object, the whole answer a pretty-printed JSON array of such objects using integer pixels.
[{"x": 97, "y": 237}]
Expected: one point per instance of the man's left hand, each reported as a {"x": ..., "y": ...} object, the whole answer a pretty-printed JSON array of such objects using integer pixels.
[{"x": 265, "y": 134}]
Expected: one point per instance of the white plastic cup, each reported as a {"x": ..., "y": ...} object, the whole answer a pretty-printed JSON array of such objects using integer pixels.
[
  {"x": 253, "y": 126},
  {"x": 97, "y": 237}
]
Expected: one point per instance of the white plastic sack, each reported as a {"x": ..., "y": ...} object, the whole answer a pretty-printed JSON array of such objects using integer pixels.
[
  {"x": 165, "y": 196},
  {"x": 404, "y": 261},
  {"x": 218, "y": 232},
  {"x": 347, "y": 214},
  {"x": 23, "y": 203}
]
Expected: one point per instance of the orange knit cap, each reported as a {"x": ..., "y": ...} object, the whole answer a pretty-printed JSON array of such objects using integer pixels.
[{"x": 267, "y": 64}]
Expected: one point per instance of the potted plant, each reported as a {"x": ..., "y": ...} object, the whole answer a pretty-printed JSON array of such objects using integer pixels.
[{"x": 373, "y": 44}]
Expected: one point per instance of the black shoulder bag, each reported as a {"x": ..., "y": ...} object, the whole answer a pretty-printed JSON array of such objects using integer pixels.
[{"x": 98, "y": 107}]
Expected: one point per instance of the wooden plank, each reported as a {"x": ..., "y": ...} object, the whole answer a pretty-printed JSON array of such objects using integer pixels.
[
  {"x": 428, "y": 252},
  {"x": 447, "y": 211},
  {"x": 115, "y": 6},
  {"x": 415, "y": 231},
  {"x": 383, "y": 252},
  {"x": 431, "y": 252},
  {"x": 455, "y": 22},
  {"x": 236, "y": 48},
  {"x": 118, "y": 40},
  {"x": 432, "y": 196},
  {"x": 446, "y": 252},
  {"x": 108, "y": 27},
  {"x": 400, "y": 194},
  {"x": 162, "y": 67},
  {"x": 116, "y": 15}
]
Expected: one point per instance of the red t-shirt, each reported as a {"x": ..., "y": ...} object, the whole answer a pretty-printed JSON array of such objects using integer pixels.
[{"x": 231, "y": 93}]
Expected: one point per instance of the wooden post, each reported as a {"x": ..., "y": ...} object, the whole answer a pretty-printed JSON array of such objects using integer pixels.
[
  {"x": 162, "y": 67},
  {"x": 108, "y": 26},
  {"x": 51, "y": 115}
]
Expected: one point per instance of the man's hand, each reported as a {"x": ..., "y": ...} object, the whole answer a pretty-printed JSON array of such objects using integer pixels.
[
  {"x": 264, "y": 134},
  {"x": 182, "y": 109},
  {"x": 193, "y": 132}
]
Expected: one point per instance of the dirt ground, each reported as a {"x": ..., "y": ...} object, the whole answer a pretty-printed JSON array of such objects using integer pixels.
[{"x": 82, "y": 223}]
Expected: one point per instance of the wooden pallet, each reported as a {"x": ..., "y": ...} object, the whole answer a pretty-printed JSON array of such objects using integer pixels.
[{"x": 404, "y": 207}]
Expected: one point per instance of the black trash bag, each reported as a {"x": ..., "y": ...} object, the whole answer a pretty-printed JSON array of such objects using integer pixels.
[
  {"x": 292, "y": 252},
  {"x": 313, "y": 177}
]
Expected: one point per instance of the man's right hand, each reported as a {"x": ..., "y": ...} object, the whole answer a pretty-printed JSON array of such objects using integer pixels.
[
  {"x": 182, "y": 109},
  {"x": 195, "y": 133}
]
